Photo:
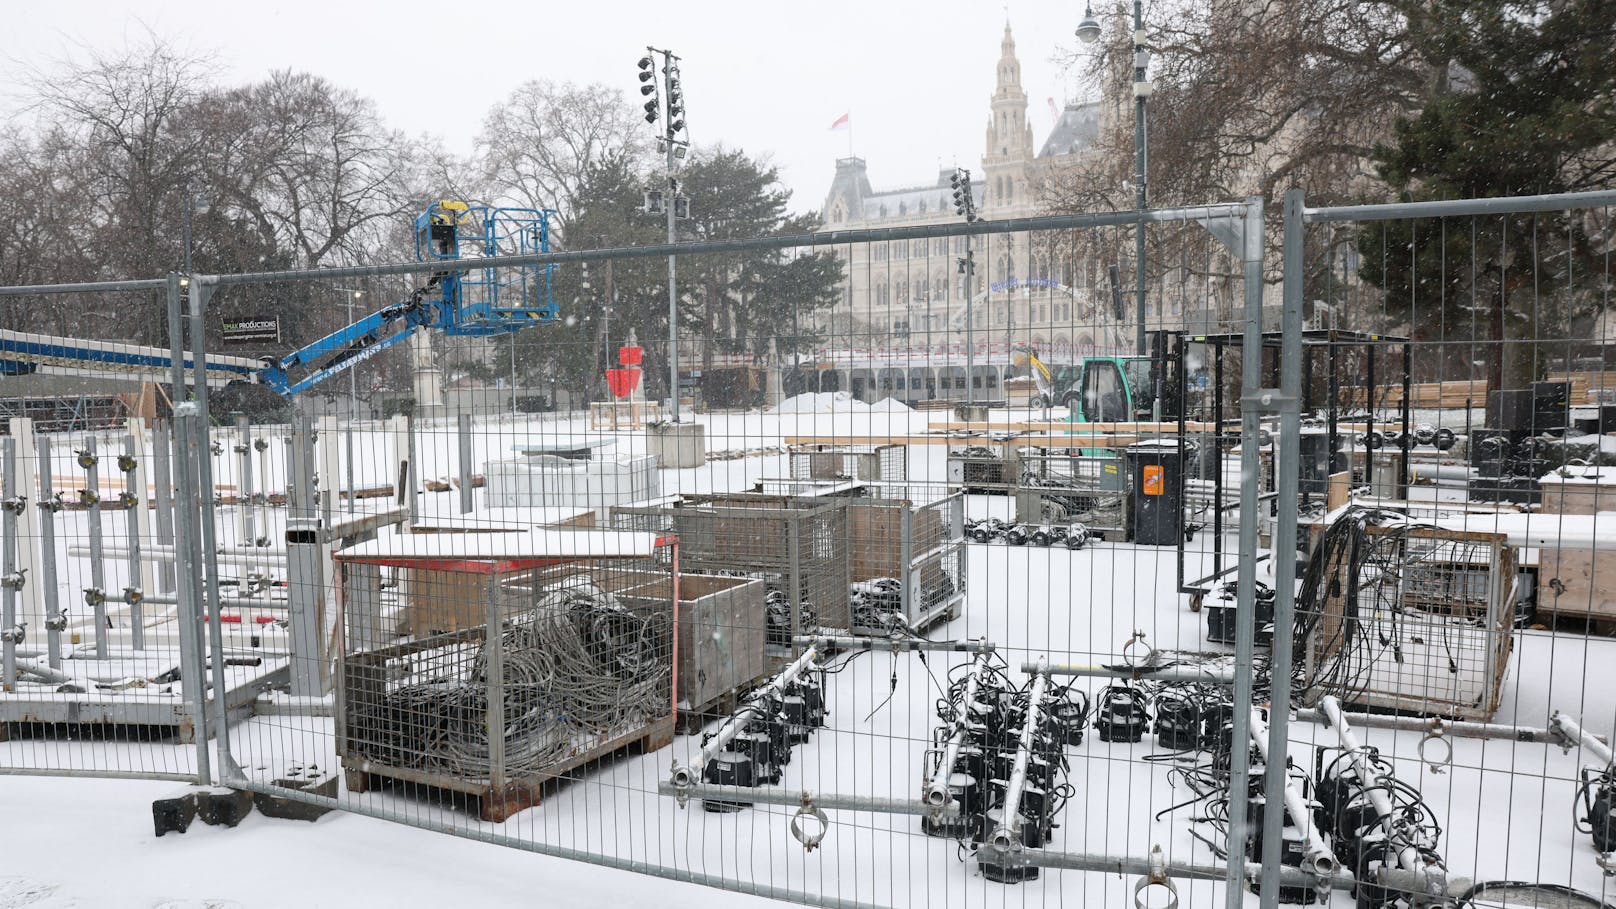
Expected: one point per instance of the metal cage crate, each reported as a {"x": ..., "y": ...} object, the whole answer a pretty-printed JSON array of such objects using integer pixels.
[
  {"x": 1058, "y": 486},
  {"x": 920, "y": 546},
  {"x": 583, "y": 663},
  {"x": 871, "y": 463},
  {"x": 796, "y": 546}
]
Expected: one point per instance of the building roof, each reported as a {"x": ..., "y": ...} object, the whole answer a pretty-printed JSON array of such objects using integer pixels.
[
  {"x": 1077, "y": 128},
  {"x": 918, "y": 200}
]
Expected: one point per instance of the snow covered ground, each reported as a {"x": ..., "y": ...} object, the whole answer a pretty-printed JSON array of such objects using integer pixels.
[{"x": 1506, "y": 807}]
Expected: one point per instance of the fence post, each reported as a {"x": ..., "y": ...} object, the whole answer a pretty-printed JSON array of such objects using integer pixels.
[
  {"x": 465, "y": 463},
  {"x": 305, "y": 586},
  {"x": 163, "y": 482},
  {"x": 208, "y": 537},
  {"x": 1246, "y": 612},
  {"x": 187, "y": 548},
  {"x": 1286, "y": 467}
]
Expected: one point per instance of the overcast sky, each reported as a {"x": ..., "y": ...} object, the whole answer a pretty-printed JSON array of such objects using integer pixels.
[{"x": 766, "y": 77}]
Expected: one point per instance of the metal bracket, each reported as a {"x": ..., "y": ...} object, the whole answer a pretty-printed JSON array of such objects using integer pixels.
[
  {"x": 1272, "y": 400},
  {"x": 14, "y": 504},
  {"x": 1230, "y": 230},
  {"x": 16, "y": 580},
  {"x": 1138, "y": 639}
]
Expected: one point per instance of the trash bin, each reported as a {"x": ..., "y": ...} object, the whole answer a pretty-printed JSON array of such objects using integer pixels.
[{"x": 1156, "y": 477}]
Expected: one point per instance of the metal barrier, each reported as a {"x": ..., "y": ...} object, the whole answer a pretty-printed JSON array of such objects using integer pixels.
[{"x": 763, "y": 675}]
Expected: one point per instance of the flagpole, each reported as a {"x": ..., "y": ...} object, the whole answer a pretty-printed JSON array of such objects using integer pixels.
[{"x": 850, "y": 137}]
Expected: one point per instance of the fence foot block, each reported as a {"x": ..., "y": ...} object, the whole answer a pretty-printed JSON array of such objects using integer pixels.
[
  {"x": 224, "y": 807},
  {"x": 174, "y": 813},
  {"x": 302, "y": 779}
]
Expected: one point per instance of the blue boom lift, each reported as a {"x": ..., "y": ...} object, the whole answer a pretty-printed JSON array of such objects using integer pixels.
[
  {"x": 473, "y": 303},
  {"x": 468, "y": 302}
]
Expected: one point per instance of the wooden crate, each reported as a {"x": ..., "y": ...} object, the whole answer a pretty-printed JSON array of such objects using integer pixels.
[
  {"x": 1578, "y": 583},
  {"x": 1588, "y": 387}
]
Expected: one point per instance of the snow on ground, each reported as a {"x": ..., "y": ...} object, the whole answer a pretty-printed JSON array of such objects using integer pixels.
[
  {"x": 1506, "y": 807},
  {"x": 89, "y": 845}
]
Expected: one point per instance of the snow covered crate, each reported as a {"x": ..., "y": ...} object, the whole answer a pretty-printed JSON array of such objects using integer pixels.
[{"x": 582, "y": 664}]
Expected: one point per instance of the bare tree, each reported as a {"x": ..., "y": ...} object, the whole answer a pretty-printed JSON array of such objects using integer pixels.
[
  {"x": 309, "y": 164},
  {"x": 537, "y": 145}
]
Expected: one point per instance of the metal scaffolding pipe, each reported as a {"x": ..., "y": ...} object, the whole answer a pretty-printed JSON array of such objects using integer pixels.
[
  {"x": 1571, "y": 732},
  {"x": 1340, "y": 879},
  {"x": 1449, "y": 208},
  {"x": 802, "y": 797},
  {"x": 1437, "y": 726},
  {"x": 1316, "y": 855},
  {"x": 936, "y": 790},
  {"x": 1008, "y": 834},
  {"x": 854, "y": 642},
  {"x": 232, "y": 602},
  {"x": 1199, "y": 674},
  {"x": 257, "y": 556},
  {"x": 684, "y": 777}
]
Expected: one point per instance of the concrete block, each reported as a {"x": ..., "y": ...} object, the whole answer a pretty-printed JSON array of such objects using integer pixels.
[
  {"x": 174, "y": 813},
  {"x": 223, "y": 807},
  {"x": 677, "y": 446}
]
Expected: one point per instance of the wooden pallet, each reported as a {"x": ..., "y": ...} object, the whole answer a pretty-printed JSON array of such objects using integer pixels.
[{"x": 497, "y": 804}]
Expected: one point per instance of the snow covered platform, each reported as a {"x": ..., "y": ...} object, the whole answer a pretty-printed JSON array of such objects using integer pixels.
[{"x": 142, "y": 692}]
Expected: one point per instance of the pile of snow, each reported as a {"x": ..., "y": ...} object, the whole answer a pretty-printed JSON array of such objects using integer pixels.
[
  {"x": 823, "y": 402},
  {"x": 890, "y": 405}
]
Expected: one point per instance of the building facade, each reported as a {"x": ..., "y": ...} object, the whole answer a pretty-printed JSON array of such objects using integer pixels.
[{"x": 910, "y": 313}]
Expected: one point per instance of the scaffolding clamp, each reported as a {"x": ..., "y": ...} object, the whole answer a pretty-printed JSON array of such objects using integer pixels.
[
  {"x": 1155, "y": 877},
  {"x": 811, "y": 834}
]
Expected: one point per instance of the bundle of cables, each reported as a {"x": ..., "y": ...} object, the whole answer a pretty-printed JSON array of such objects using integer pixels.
[
  {"x": 1352, "y": 610},
  {"x": 577, "y": 667}
]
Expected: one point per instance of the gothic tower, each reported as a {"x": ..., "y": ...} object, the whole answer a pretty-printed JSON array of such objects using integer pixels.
[{"x": 1008, "y": 153}]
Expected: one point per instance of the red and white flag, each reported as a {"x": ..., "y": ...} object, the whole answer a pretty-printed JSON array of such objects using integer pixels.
[
  {"x": 1053, "y": 110},
  {"x": 841, "y": 123}
]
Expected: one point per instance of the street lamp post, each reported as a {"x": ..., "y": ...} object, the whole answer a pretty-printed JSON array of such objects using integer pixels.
[{"x": 1088, "y": 31}]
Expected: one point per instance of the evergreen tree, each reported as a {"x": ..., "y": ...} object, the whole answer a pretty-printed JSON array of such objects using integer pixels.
[{"x": 1524, "y": 106}]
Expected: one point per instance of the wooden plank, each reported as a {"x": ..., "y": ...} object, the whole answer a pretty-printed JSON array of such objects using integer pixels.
[
  {"x": 1062, "y": 426},
  {"x": 1339, "y": 490}
]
